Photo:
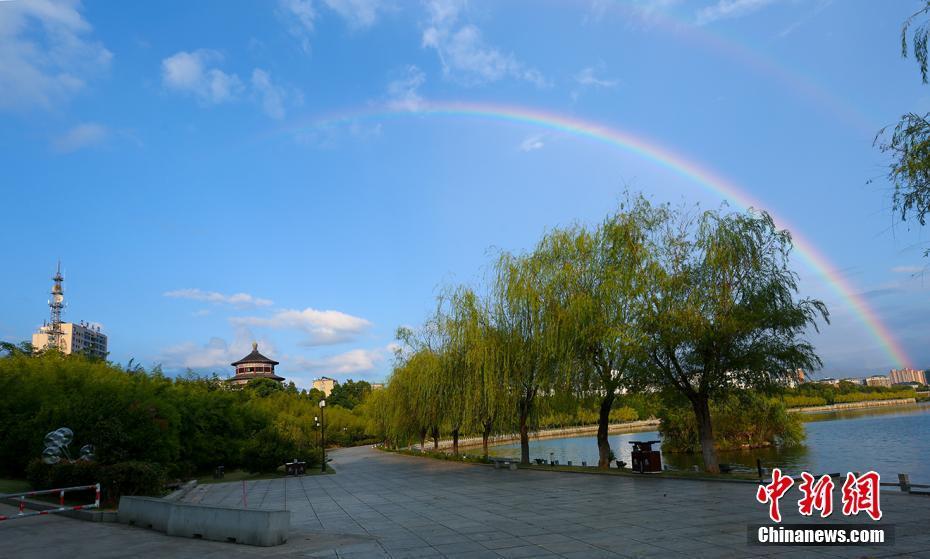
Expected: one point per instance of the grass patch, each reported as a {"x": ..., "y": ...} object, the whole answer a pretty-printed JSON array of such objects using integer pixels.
[
  {"x": 242, "y": 475},
  {"x": 13, "y": 485}
]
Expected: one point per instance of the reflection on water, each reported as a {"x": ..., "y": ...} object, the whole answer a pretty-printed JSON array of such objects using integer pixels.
[{"x": 888, "y": 440}]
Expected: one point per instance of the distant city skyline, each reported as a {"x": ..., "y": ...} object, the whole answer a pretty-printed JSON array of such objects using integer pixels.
[{"x": 308, "y": 174}]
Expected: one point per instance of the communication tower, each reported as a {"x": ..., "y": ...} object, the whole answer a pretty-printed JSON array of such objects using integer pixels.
[{"x": 56, "y": 304}]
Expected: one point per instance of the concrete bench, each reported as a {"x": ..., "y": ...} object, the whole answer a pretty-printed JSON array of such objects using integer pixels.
[
  {"x": 509, "y": 463},
  {"x": 225, "y": 524}
]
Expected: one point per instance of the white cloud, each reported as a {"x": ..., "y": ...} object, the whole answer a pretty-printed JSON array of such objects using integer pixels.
[
  {"x": 403, "y": 93},
  {"x": 195, "y": 73},
  {"x": 189, "y": 72},
  {"x": 588, "y": 77},
  {"x": 236, "y": 299},
  {"x": 324, "y": 327},
  {"x": 216, "y": 353},
  {"x": 46, "y": 54},
  {"x": 300, "y": 18},
  {"x": 728, "y": 9},
  {"x": 351, "y": 362},
  {"x": 464, "y": 55},
  {"x": 359, "y": 14},
  {"x": 533, "y": 142},
  {"x": 81, "y": 136},
  {"x": 272, "y": 96}
]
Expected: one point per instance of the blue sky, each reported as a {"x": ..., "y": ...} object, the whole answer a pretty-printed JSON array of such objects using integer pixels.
[{"x": 181, "y": 160}]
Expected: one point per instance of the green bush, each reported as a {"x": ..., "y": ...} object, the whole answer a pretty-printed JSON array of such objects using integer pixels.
[
  {"x": 132, "y": 478},
  {"x": 871, "y": 396},
  {"x": 123, "y": 478},
  {"x": 803, "y": 401},
  {"x": 267, "y": 451},
  {"x": 623, "y": 415},
  {"x": 747, "y": 420}
]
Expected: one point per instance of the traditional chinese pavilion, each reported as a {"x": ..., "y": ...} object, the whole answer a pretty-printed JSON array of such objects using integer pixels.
[{"x": 254, "y": 365}]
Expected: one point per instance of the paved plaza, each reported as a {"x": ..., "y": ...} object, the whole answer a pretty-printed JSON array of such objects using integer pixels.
[{"x": 385, "y": 505}]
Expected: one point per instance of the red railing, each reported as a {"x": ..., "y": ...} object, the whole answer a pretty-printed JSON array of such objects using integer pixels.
[{"x": 61, "y": 501}]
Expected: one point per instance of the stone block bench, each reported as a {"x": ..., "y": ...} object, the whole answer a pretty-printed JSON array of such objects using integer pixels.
[
  {"x": 504, "y": 463},
  {"x": 210, "y": 522}
]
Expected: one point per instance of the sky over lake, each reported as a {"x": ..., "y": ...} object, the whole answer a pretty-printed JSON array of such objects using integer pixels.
[{"x": 309, "y": 173}]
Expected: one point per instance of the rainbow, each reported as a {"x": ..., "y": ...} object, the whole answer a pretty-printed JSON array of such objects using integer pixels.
[
  {"x": 803, "y": 86},
  {"x": 663, "y": 157}
]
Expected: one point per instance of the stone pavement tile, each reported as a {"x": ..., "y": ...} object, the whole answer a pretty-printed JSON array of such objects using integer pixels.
[
  {"x": 684, "y": 545},
  {"x": 393, "y": 544},
  {"x": 523, "y": 551},
  {"x": 459, "y": 547},
  {"x": 485, "y": 554},
  {"x": 363, "y": 555},
  {"x": 488, "y": 536},
  {"x": 503, "y": 543},
  {"x": 544, "y": 539},
  {"x": 415, "y": 553},
  {"x": 592, "y": 554},
  {"x": 569, "y": 546},
  {"x": 720, "y": 551},
  {"x": 442, "y": 539}
]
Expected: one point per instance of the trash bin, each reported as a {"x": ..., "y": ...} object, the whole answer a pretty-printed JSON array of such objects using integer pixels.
[{"x": 645, "y": 460}]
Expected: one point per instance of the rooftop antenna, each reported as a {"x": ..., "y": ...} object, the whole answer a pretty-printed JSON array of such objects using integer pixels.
[{"x": 56, "y": 304}]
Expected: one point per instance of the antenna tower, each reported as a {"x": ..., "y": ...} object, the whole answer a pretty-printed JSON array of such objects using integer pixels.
[{"x": 56, "y": 304}]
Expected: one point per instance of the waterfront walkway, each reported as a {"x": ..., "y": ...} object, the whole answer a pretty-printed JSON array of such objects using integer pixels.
[{"x": 387, "y": 505}]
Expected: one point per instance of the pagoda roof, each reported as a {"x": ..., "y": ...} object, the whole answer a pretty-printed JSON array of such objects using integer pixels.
[{"x": 254, "y": 357}]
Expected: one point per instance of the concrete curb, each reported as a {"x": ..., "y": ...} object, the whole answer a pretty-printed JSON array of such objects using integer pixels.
[{"x": 246, "y": 526}]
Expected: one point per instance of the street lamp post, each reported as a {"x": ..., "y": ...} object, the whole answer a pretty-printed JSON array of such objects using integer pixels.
[{"x": 323, "y": 436}]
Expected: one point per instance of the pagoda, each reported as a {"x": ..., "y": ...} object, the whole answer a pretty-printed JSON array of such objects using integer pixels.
[{"x": 254, "y": 365}]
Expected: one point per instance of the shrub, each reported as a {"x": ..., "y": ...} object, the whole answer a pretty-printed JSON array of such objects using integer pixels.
[
  {"x": 624, "y": 414},
  {"x": 123, "y": 478},
  {"x": 747, "y": 420},
  {"x": 869, "y": 396},
  {"x": 804, "y": 401},
  {"x": 133, "y": 478},
  {"x": 267, "y": 451}
]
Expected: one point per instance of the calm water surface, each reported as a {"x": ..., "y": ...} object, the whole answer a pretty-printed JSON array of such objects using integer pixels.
[{"x": 888, "y": 440}]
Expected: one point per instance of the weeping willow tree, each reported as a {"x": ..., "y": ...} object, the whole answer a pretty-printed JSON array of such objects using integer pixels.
[
  {"x": 490, "y": 402},
  {"x": 723, "y": 313},
  {"x": 527, "y": 315},
  {"x": 603, "y": 280},
  {"x": 419, "y": 397},
  {"x": 455, "y": 327},
  {"x": 908, "y": 142}
]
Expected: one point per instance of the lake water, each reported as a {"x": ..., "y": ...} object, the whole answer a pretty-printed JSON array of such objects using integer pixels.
[{"x": 889, "y": 440}]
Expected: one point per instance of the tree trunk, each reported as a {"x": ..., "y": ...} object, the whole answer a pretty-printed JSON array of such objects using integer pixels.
[
  {"x": 603, "y": 421},
  {"x": 455, "y": 442},
  {"x": 701, "y": 406},
  {"x": 485, "y": 435},
  {"x": 435, "y": 438},
  {"x": 525, "y": 407},
  {"x": 422, "y": 439}
]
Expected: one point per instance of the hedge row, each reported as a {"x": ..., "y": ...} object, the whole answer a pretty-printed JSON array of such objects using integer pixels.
[{"x": 123, "y": 478}]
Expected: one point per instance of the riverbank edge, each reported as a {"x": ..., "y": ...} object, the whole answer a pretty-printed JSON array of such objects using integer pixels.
[
  {"x": 590, "y": 470},
  {"x": 581, "y": 430},
  {"x": 648, "y": 425},
  {"x": 855, "y": 405}
]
